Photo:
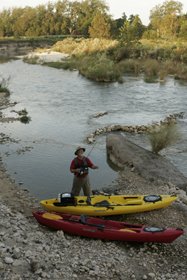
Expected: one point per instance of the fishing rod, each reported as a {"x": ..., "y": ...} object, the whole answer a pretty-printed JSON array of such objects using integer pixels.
[{"x": 91, "y": 149}]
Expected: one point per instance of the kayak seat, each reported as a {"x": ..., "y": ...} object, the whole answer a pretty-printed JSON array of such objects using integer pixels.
[
  {"x": 81, "y": 201},
  {"x": 103, "y": 203},
  {"x": 51, "y": 216}
]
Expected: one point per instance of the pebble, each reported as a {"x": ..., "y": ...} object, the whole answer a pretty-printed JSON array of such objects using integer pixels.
[
  {"x": 1, "y": 265},
  {"x": 152, "y": 275},
  {"x": 8, "y": 260}
]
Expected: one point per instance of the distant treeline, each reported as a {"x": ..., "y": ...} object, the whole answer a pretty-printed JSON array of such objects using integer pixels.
[{"x": 91, "y": 18}]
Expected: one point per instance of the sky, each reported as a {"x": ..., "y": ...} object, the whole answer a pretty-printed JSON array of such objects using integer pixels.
[{"x": 117, "y": 7}]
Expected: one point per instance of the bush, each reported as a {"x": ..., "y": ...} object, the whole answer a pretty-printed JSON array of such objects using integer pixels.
[
  {"x": 68, "y": 64},
  {"x": 23, "y": 116},
  {"x": 121, "y": 53},
  {"x": 25, "y": 119},
  {"x": 163, "y": 136},
  {"x": 4, "y": 85},
  {"x": 130, "y": 66},
  {"x": 99, "y": 68},
  {"x": 151, "y": 70}
]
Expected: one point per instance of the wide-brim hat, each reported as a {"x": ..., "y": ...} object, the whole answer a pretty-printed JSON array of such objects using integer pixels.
[{"x": 79, "y": 148}]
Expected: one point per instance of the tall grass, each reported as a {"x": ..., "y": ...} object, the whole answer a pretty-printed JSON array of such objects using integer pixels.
[
  {"x": 84, "y": 46},
  {"x": 151, "y": 69},
  {"x": 4, "y": 85},
  {"x": 163, "y": 136}
]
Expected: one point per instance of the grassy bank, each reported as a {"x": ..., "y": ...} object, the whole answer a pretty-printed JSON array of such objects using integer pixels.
[{"x": 109, "y": 60}]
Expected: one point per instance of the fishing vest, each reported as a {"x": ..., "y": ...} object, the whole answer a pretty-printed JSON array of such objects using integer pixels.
[{"x": 83, "y": 166}]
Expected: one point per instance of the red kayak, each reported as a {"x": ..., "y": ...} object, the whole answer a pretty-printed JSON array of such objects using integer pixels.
[{"x": 106, "y": 229}]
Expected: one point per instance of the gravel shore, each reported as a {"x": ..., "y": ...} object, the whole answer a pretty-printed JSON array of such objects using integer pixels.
[{"x": 30, "y": 251}]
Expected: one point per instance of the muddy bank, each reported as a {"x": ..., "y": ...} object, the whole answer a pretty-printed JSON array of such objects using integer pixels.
[{"x": 9, "y": 48}]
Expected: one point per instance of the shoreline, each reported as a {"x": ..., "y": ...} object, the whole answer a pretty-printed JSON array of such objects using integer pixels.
[
  {"x": 24, "y": 241},
  {"x": 46, "y": 56}
]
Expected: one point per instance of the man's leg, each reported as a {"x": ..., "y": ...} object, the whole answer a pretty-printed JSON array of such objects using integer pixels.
[
  {"x": 77, "y": 185},
  {"x": 86, "y": 186}
]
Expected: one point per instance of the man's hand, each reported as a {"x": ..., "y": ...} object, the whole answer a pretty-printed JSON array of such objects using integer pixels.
[{"x": 95, "y": 167}]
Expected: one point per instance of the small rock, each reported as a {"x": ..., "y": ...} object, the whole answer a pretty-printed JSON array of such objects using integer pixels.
[
  {"x": 1, "y": 265},
  {"x": 8, "y": 260},
  {"x": 151, "y": 274}
]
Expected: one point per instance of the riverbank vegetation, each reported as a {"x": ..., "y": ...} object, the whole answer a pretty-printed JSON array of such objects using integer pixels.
[
  {"x": 105, "y": 49},
  {"x": 163, "y": 136},
  {"x": 110, "y": 60},
  {"x": 23, "y": 116},
  {"x": 4, "y": 85}
]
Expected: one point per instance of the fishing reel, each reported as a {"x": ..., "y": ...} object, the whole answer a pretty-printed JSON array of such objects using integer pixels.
[{"x": 83, "y": 170}]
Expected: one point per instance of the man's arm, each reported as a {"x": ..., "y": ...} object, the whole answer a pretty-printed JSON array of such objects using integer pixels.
[{"x": 91, "y": 165}]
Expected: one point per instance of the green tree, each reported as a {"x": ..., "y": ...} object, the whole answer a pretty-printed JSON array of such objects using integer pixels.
[
  {"x": 47, "y": 21},
  {"x": 132, "y": 29},
  {"x": 38, "y": 25},
  {"x": 6, "y": 25},
  {"x": 100, "y": 27},
  {"x": 183, "y": 27},
  {"x": 131, "y": 18},
  {"x": 17, "y": 15},
  {"x": 24, "y": 19},
  {"x": 125, "y": 32},
  {"x": 165, "y": 18},
  {"x": 116, "y": 24},
  {"x": 60, "y": 18},
  {"x": 87, "y": 12},
  {"x": 137, "y": 27}
]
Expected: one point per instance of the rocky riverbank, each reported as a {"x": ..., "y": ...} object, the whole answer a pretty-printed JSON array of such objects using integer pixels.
[{"x": 30, "y": 251}]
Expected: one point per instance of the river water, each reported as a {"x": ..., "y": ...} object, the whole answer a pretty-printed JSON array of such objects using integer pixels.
[{"x": 61, "y": 105}]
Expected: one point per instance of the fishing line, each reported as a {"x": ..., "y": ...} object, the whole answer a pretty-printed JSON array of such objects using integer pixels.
[{"x": 91, "y": 149}]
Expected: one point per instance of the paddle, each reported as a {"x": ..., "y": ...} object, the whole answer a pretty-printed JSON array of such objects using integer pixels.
[{"x": 83, "y": 220}]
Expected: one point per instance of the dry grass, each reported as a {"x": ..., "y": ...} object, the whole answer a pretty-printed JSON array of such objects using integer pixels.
[
  {"x": 163, "y": 136},
  {"x": 84, "y": 46},
  {"x": 164, "y": 43}
]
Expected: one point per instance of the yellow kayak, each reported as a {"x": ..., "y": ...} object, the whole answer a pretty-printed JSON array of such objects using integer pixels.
[{"x": 107, "y": 205}]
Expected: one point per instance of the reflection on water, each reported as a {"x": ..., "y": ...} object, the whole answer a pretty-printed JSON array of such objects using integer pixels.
[{"x": 61, "y": 105}]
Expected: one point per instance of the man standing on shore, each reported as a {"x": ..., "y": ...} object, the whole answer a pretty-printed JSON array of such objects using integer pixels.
[{"x": 80, "y": 168}]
